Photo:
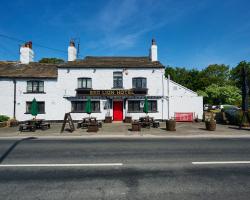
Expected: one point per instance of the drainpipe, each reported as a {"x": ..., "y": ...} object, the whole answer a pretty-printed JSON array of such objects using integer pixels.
[
  {"x": 14, "y": 106},
  {"x": 168, "y": 95},
  {"x": 162, "y": 99}
]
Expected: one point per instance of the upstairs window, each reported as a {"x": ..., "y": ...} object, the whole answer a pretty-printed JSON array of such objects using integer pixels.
[
  {"x": 85, "y": 83},
  {"x": 139, "y": 82},
  {"x": 35, "y": 86},
  {"x": 118, "y": 82}
]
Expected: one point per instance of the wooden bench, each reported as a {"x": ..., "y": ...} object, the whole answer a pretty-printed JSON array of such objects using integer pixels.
[{"x": 27, "y": 127}]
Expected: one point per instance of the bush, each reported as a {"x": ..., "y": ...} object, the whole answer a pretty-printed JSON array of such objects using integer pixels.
[
  {"x": 235, "y": 116},
  {"x": 4, "y": 118}
]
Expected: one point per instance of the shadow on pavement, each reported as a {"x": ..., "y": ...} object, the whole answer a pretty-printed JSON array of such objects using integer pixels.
[
  {"x": 6, "y": 153},
  {"x": 237, "y": 128}
]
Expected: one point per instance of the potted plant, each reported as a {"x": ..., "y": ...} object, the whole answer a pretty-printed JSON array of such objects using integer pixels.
[
  {"x": 128, "y": 118},
  {"x": 3, "y": 120},
  {"x": 210, "y": 125}
]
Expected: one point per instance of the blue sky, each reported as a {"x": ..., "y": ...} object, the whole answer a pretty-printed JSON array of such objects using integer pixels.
[{"x": 189, "y": 33}]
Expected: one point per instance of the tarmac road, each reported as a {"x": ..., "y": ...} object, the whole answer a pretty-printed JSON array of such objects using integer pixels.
[{"x": 164, "y": 168}]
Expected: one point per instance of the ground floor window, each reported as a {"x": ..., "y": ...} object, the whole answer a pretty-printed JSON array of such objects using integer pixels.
[
  {"x": 41, "y": 107},
  {"x": 79, "y": 106},
  {"x": 137, "y": 105}
]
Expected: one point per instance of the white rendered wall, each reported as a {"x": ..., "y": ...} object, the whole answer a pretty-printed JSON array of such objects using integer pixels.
[
  {"x": 103, "y": 79},
  {"x": 181, "y": 98},
  {"x": 186, "y": 104},
  {"x": 6, "y": 97}
]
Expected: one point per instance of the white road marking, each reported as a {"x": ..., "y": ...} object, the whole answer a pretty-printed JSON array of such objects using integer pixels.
[
  {"x": 63, "y": 165},
  {"x": 220, "y": 162}
]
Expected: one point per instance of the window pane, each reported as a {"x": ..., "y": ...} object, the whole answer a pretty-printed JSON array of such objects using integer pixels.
[
  {"x": 84, "y": 83},
  {"x": 89, "y": 83},
  {"x": 35, "y": 86},
  {"x": 41, "y": 86},
  {"x": 117, "y": 80},
  {"x": 28, "y": 107},
  {"x": 41, "y": 107},
  {"x": 144, "y": 83},
  {"x": 29, "y": 86}
]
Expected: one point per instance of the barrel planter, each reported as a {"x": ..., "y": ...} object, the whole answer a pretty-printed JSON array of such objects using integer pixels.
[
  {"x": 136, "y": 126},
  {"x": 128, "y": 119},
  {"x": 108, "y": 119},
  {"x": 3, "y": 124},
  {"x": 170, "y": 125},
  {"x": 13, "y": 123},
  {"x": 211, "y": 125}
]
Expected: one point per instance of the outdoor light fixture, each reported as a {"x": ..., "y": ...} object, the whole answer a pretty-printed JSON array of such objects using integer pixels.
[{"x": 94, "y": 70}]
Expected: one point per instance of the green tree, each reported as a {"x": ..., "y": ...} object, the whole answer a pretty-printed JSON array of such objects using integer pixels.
[
  {"x": 214, "y": 74},
  {"x": 215, "y": 94},
  {"x": 235, "y": 74},
  {"x": 51, "y": 60},
  {"x": 185, "y": 77}
]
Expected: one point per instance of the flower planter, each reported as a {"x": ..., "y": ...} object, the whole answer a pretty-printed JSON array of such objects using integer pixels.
[
  {"x": 3, "y": 124},
  {"x": 128, "y": 120},
  {"x": 108, "y": 119},
  {"x": 93, "y": 127},
  {"x": 170, "y": 125},
  {"x": 136, "y": 126},
  {"x": 211, "y": 125},
  {"x": 13, "y": 123}
]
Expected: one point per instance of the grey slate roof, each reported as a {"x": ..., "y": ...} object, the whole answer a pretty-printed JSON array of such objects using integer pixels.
[{"x": 42, "y": 70}]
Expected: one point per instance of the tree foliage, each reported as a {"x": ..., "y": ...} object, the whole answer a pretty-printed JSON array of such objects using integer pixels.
[
  {"x": 218, "y": 84},
  {"x": 235, "y": 74},
  {"x": 215, "y": 94},
  {"x": 51, "y": 60}
]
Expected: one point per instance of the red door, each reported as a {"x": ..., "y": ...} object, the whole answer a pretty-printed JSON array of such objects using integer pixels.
[{"x": 118, "y": 110}]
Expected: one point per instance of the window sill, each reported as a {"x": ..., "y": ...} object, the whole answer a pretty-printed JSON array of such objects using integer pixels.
[
  {"x": 37, "y": 113},
  {"x": 84, "y": 112},
  {"x": 142, "y": 112},
  {"x": 117, "y": 88},
  {"x": 34, "y": 93}
]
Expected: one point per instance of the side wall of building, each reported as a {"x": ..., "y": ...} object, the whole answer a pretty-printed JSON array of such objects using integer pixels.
[{"x": 7, "y": 97}]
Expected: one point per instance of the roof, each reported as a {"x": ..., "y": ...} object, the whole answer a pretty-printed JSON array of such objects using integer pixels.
[
  {"x": 32, "y": 70},
  {"x": 113, "y": 62},
  {"x": 43, "y": 70}
]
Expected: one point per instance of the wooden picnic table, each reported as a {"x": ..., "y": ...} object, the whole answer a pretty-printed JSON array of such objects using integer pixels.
[
  {"x": 149, "y": 121},
  {"x": 86, "y": 121},
  {"x": 38, "y": 123}
]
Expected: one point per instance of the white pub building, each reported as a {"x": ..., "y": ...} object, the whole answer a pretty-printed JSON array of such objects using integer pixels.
[{"x": 117, "y": 87}]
